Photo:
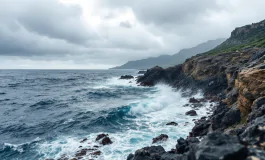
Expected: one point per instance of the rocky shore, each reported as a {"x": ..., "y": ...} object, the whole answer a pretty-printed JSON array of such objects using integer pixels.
[{"x": 235, "y": 80}]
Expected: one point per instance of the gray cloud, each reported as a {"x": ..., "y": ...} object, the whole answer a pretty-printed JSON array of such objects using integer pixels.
[
  {"x": 46, "y": 31},
  {"x": 126, "y": 24}
]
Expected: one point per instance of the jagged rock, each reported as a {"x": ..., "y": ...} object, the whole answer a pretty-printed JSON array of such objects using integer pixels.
[
  {"x": 231, "y": 117},
  {"x": 141, "y": 72},
  {"x": 251, "y": 84},
  {"x": 172, "y": 156},
  {"x": 106, "y": 141},
  {"x": 162, "y": 137},
  {"x": 258, "y": 109},
  {"x": 126, "y": 77},
  {"x": 172, "y": 124},
  {"x": 184, "y": 145},
  {"x": 255, "y": 133},
  {"x": 85, "y": 139},
  {"x": 81, "y": 153},
  {"x": 217, "y": 117},
  {"x": 191, "y": 113},
  {"x": 236, "y": 131},
  {"x": 96, "y": 153},
  {"x": 100, "y": 136},
  {"x": 201, "y": 128},
  {"x": 218, "y": 146},
  {"x": 194, "y": 100},
  {"x": 147, "y": 153}
]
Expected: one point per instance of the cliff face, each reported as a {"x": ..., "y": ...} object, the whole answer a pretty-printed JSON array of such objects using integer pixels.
[{"x": 237, "y": 78}]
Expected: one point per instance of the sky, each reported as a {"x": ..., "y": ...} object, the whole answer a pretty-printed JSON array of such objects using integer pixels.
[{"x": 99, "y": 34}]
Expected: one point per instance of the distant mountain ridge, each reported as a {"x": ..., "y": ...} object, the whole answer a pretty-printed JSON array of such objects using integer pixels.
[{"x": 169, "y": 60}]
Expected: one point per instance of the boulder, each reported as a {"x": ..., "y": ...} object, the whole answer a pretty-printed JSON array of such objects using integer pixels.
[
  {"x": 172, "y": 124},
  {"x": 81, "y": 153},
  {"x": 201, "y": 128},
  {"x": 231, "y": 117},
  {"x": 148, "y": 153},
  {"x": 258, "y": 109},
  {"x": 218, "y": 146},
  {"x": 160, "y": 138},
  {"x": 184, "y": 145},
  {"x": 126, "y": 77},
  {"x": 96, "y": 153},
  {"x": 106, "y": 141},
  {"x": 100, "y": 136},
  {"x": 191, "y": 113},
  {"x": 194, "y": 100}
]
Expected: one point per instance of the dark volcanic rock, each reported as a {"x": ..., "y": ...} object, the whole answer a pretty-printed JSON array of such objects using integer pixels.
[
  {"x": 85, "y": 139},
  {"x": 191, "y": 113},
  {"x": 218, "y": 146},
  {"x": 148, "y": 153},
  {"x": 194, "y": 100},
  {"x": 81, "y": 153},
  {"x": 255, "y": 133},
  {"x": 100, "y": 136},
  {"x": 231, "y": 117},
  {"x": 258, "y": 109},
  {"x": 96, "y": 153},
  {"x": 172, "y": 124},
  {"x": 201, "y": 128},
  {"x": 184, "y": 145},
  {"x": 106, "y": 141},
  {"x": 162, "y": 137},
  {"x": 141, "y": 72},
  {"x": 126, "y": 77}
]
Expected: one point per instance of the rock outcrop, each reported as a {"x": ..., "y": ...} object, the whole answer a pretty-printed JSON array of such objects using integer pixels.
[{"x": 234, "y": 74}]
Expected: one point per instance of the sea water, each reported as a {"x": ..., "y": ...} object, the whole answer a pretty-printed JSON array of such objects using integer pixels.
[{"x": 46, "y": 113}]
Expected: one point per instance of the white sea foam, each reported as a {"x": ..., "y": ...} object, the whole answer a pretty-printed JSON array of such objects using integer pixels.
[{"x": 162, "y": 106}]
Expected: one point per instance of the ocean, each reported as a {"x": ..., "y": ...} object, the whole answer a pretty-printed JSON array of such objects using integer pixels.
[{"x": 46, "y": 113}]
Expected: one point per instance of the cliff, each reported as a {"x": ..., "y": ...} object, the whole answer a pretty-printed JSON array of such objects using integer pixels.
[{"x": 234, "y": 74}]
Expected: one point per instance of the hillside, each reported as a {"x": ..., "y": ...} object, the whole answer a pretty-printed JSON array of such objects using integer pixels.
[
  {"x": 248, "y": 36},
  {"x": 169, "y": 60}
]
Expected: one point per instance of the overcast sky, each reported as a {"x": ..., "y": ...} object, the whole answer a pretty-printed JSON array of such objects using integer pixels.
[{"x": 89, "y": 34}]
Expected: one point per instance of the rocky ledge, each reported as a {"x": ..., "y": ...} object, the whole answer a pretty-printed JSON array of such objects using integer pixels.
[{"x": 236, "y": 128}]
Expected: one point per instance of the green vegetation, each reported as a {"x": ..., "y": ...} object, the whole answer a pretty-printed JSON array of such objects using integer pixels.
[{"x": 242, "y": 38}]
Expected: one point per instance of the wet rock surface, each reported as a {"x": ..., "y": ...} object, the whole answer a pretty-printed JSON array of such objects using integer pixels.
[
  {"x": 162, "y": 137},
  {"x": 89, "y": 152},
  {"x": 126, "y": 77},
  {"x": 191, "y": 113},
  {"x": 172, "y": 124}
]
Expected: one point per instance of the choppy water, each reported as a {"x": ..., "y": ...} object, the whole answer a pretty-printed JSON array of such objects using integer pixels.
[{"x": 45, "y": 114}]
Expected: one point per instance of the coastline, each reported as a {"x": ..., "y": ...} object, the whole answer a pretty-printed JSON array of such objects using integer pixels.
[{"x": 237, "y": 120}]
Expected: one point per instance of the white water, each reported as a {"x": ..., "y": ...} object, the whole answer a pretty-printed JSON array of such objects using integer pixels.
[{"x": 161, "y": 107}]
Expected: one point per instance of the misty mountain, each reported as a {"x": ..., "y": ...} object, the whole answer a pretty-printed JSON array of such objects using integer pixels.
[{"x": 169, "y": 60}]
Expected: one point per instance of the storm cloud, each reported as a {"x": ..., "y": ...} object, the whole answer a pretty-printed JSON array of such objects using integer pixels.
[{"x": 106, "y": 33}]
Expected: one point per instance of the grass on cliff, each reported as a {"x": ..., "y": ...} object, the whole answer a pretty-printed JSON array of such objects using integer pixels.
[{"x": 255, "y": 38}]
